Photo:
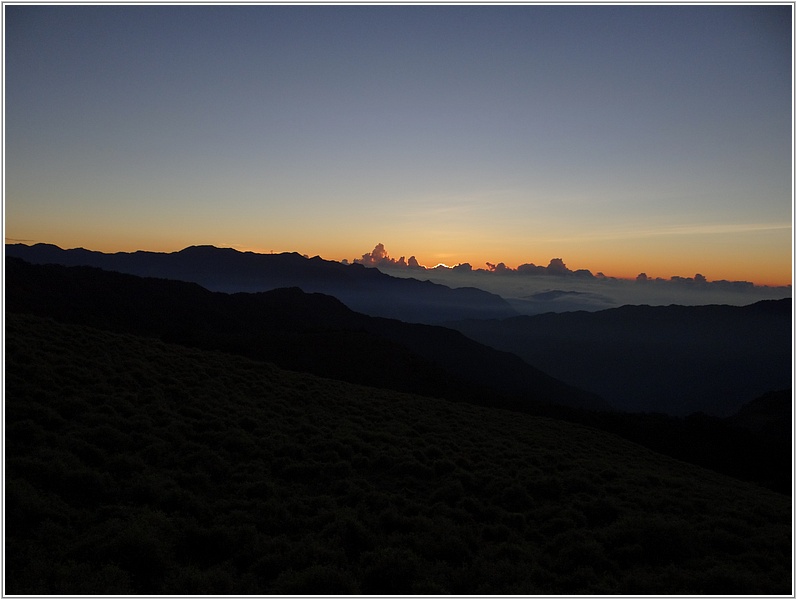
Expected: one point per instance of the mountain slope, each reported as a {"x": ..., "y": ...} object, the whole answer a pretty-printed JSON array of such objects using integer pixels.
[
  {"x": 310, "y": 332},
  {"x": 138, "y": 467},
  {"x": 670, "y": 359},
  {"x": 771, "y": 415},
  {"x": 227, "y": 270}
]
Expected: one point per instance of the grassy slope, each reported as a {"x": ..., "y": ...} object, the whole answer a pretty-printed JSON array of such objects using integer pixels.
[{"x": 134, "y": 466}]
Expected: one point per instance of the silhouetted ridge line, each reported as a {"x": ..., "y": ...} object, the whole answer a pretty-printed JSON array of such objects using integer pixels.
[
  {"x": 770, "y": 414},
  {"x": 320, "y": 335},
  {"x": 672, "y": 359},
  {"x": 300, "y": 331},
  {"x": 228, "y": 270}
]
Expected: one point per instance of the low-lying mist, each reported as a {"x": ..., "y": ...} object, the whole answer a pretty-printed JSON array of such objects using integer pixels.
[{"x": 535, "y": 294}]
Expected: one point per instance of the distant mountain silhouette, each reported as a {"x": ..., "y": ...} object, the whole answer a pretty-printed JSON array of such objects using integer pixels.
[
  {"x": 227, "y": 270},
  {"x": 307, "y": 332},
  {"x": 672, "y": 359},
  {"x": 317, "y": 334},
  {"x": 770, "y": 414}
]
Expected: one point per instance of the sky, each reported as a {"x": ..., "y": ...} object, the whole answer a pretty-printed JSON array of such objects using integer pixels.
[{"x": 623, "y": 139}]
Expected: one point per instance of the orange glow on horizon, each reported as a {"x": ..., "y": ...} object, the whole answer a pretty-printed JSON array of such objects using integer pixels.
[
  {"x": 760, "y": 272},
  {"x": 620, "y": 261}
]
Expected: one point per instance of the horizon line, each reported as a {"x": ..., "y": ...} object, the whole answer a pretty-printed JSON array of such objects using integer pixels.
[{"x": 392, "y": 263}]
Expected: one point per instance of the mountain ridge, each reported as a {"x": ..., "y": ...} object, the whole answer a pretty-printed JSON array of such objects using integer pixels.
[
  {"x": 228, "y": 270},
  {"x": 312, "y": 332},
  {"x": 674, "y": 359},
  {"x": 317, "y": 334}
]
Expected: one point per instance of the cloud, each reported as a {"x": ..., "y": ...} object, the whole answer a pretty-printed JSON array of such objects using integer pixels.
[
  {"x": 379, "y": 257},
  {"x": 556, "y": 268},
  {"x": 558, "y": 271},
  {"x": 700, "y": 282},
  {"x": 499, "y": 268},
  {"x": 556, "y": 300},
  {"x": 373, "y": 258}
]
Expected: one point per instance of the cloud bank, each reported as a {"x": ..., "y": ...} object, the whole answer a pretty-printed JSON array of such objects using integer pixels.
[
  {"x": 379, "y": 257},
  {"x": 532, "y": 289},
  {"x": 556, "y": 267}
]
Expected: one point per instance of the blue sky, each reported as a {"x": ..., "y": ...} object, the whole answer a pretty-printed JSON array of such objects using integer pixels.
[{"x": 622, "y": 138}]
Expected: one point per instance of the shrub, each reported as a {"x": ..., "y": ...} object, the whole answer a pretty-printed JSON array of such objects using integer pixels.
[
  {"x": 141, "y": 545},
  {"x": 546, "y": 488},
  {"x": 600, "y": 511},
  {"x": 728, "y": 580},
  {"x": 195, "y": 581},
  {"x": 73, "y": 578},
  {"x": 317, "y": 579},
  {"x": 495, "y": 533},
  {"x": 25, "y": 506},
  {"x": 582, "y": 553},
  {"x": 659, "y": 540},
  {"x": 203, "y": 546},
  {"x": 515, "y": 498},
  {"x": 449, "y": 492},
  {"x": 86, "y": 487},
  {"x": 442, "y": 544},
  {"x": 389, "y": 571},
  {"x": 349, "y": 534}
]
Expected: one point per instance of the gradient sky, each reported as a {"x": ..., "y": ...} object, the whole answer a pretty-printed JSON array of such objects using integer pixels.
[{"x": 620, "y": 138}]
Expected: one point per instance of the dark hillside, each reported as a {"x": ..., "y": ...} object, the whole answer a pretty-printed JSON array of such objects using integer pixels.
[
  {"x": 318, "y": 334},
  {"x": 670, "y": 359},
  {"x": 308, "y": 332},
  {"x": 138, "y": 467},
  {"x": 770, "y": 415},
  {"x": 724, "y": 445},
  {"x": 226, "y": 270}
]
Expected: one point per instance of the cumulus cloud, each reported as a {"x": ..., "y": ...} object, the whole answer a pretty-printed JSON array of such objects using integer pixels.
[
  {"x": 556, "y": 268},
  {"x": 379, "y": 257},
  {"x": 531, "y": 269},
  {"x": 373, "y": 258},
  {"x": 557, "y": 271},
  {"x": 701, "y": 282},
  {"x": 499, "y": 268}
]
